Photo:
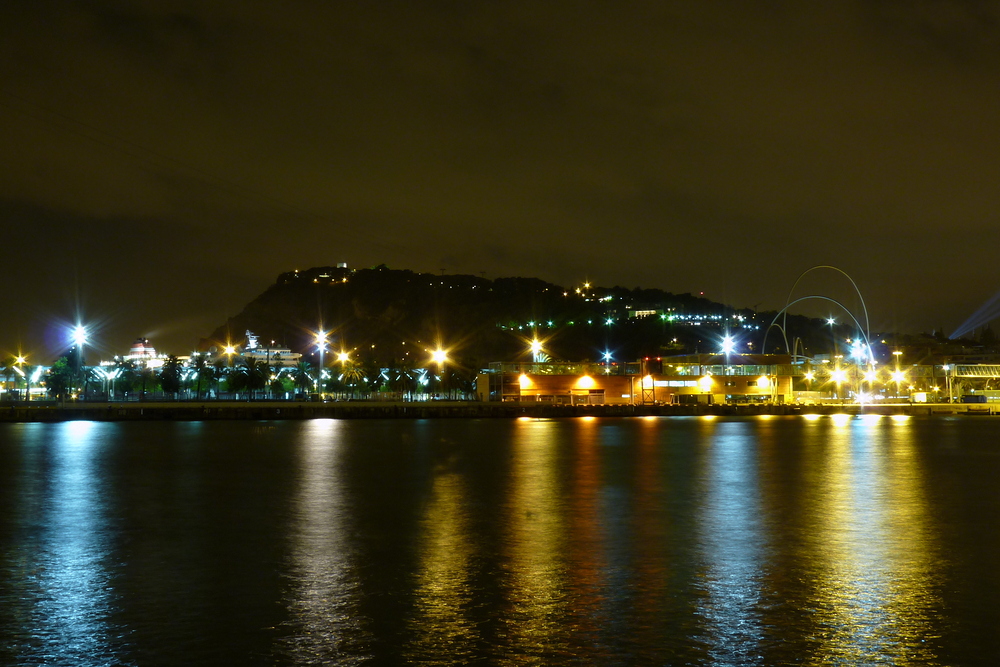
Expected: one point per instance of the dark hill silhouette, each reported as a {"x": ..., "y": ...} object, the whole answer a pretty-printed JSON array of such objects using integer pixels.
[{"x": 391, "y": 316}]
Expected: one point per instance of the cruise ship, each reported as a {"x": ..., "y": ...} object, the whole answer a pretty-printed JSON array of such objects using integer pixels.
[{"x": 270, "y": 355}]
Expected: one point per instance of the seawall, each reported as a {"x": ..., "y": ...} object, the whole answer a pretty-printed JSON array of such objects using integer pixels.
[{"x": 269, "y": 410}]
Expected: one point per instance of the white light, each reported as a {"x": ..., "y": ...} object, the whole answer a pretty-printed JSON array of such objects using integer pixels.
[
  {"x": 728, "y": 345},
  {"x": 80, "y": 335}
]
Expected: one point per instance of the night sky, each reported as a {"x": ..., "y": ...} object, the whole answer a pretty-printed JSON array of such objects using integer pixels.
[{"x": 163, "y": 161}]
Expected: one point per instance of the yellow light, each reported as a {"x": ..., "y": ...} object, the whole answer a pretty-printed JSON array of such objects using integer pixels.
[
  {"x": 705, "y": 383},
  {"x": 586, "y": 382},
  {"x": 870, "y": 376},
  {"x": 763, "y": 382},
  {"x": 524, "y": 381},
  {"x": 230, "y": 349},
  {"x": 809, "y": 376},
  {"x": 898, "y": 376},
  {"x": 343, "y": 357},
  {"x": 838, "y": 375},
  {"x": 536, "y": 346},
  {"x": 439, "y": 356}
]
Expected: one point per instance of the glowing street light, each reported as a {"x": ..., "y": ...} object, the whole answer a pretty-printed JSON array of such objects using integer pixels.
[
  {"x": 321, "y": 343},
  {"x": 728, "y": 345},
  {"x": 79, "y": 338},
  {"x": 27, "y": 380},
  {"x": 80, "y": 335},
  {"x": 536, "y": 350},
  {"x": 440, "y": 357}
]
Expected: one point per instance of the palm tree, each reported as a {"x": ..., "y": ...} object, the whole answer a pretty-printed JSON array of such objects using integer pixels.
[
  {"x": 302, "y": 374},
  {"x": 8, "y": 371},
  {"x": 252, "y": 377},
  {"x": 353, "y": 374},
  {"x": 216, "y": 373},
  {"x": 403, "y": 381},
  {"x": 198, "y": 364}
]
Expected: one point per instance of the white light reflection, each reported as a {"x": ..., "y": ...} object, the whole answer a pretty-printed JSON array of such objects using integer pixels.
[
  {"x": 323, "y": 598},
  {"x": 74, "y": 585},
  {"x": 734, "y": 544}
]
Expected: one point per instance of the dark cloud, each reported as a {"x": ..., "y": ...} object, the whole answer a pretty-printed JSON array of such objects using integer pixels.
[{"x": 716, "y": 146}]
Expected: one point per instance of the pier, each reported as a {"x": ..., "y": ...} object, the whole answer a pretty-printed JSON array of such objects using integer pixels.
[{"x": 271, "y": 410}]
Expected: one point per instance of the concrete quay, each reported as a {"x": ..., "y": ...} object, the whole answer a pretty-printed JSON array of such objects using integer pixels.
[{"x": 271, "y": 410}]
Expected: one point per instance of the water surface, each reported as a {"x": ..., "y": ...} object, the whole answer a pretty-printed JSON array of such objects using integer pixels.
[{"x": 742, "y": 541}]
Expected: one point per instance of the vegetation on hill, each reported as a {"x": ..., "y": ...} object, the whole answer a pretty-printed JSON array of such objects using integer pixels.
[{"x": 389, "y": 317}]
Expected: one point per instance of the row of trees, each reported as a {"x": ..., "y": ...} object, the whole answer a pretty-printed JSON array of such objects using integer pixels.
[{"x": 201, "y": 378}]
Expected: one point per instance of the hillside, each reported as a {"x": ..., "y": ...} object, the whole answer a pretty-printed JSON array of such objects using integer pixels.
[{"x": 387, "y": 315}]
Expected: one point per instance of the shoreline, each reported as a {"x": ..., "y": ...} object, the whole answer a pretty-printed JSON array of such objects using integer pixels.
[{"x": 273, "y": 410}]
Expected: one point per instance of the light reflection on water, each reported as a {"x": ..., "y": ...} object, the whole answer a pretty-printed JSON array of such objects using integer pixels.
[
  {"x": 67, "y": 575},
  {"x": 875, "y": 593},
  {"x": 734, "y": 542},
  {"x": 534, "y": 536},
  {"x": 604, "y": 541},
  {"x": 323, "y": 595},
  {"x": 442, "y": 630}
]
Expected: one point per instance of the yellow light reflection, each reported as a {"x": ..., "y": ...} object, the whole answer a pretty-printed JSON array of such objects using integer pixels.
[
  {"x": 535, "y": 528},
  {"x": 873, "y": 591},
  {"x": 841, "y": 419},
  {"x": 444, "y": 595}
]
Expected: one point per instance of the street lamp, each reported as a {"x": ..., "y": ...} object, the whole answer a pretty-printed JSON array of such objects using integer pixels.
[
  {"x": 27, "y": 381},
  {"x": 321, "y": 342},
  {"x": 898, "y": 376},
  {"x": 440, "y": 357},
  {"x": 79, "y": 337}
]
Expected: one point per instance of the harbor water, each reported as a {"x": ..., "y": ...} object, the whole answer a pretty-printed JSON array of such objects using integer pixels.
[{"x": 766, "y": 540}]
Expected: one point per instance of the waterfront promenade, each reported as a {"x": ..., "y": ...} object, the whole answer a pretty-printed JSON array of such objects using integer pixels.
[{"x": 269, "y": 410}]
